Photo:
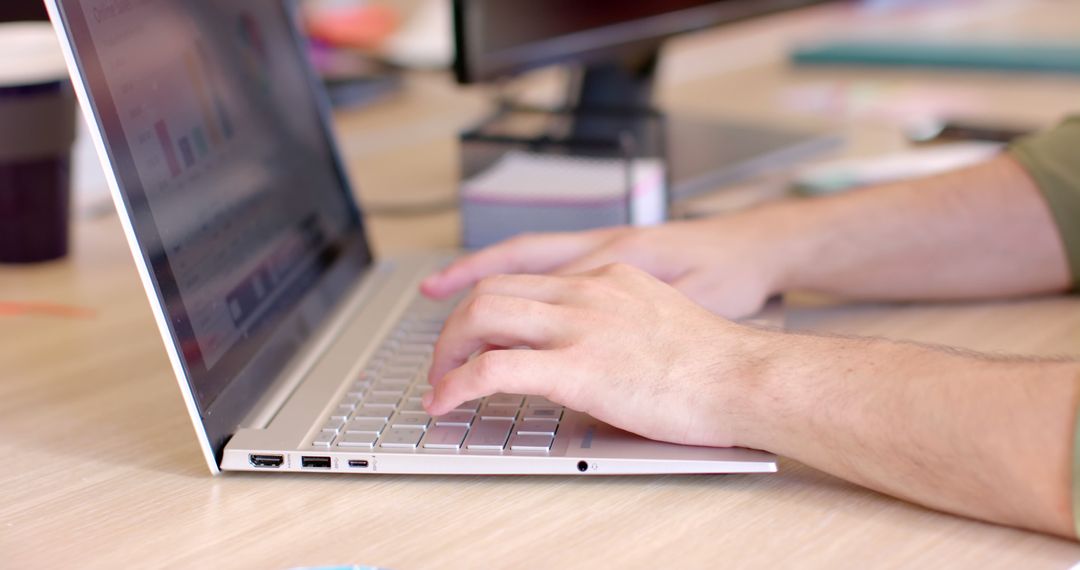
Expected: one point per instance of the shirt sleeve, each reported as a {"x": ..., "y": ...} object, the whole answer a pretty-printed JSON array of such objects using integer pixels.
[
  {"x": 1053, "y": 161},
  {"x": 1076, "y": 477},
  {"x": 1052, "y": 158}
]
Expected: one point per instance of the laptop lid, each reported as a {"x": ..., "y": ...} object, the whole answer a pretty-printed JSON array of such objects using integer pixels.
[{"x": 227, "y": 179}]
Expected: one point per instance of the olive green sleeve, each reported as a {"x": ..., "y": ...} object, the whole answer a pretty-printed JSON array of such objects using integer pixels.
[
  {"x": 1076, "y": 477},
  {"x": 1053, "y": 160}
]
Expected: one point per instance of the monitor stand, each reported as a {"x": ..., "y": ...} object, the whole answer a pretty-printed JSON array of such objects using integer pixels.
[{"x": 704, "y": 154}]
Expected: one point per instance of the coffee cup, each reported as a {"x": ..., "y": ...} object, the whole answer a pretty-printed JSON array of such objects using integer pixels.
[{"x": 37, "y": 130}]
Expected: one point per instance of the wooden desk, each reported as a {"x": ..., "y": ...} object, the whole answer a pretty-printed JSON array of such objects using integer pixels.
[{"x": 101, "y": 469}]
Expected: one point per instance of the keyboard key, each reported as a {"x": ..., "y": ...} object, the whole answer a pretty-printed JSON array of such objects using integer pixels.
[
  {"x": 404, "y": 372},
  {"x": 490, "y": 412},
  {"x": 536, "y": 427},
  {"x": 426, "y": 327},
  {"x": 357, "y": 391},
  {"x": 419, "y": 390},
  {"x": 550, "y": 414},
  {"x": 470, "y": 406},
  {"x": 455, "y": 419},
  {"x": 410, "y": 420},
  {"x": 412, "y": 405},
  {"x": 365, "y": 440},
  {"x": 529, "y": 442},
  {"x": 539, "y": 402},
  {"x": 416, "y": 349},
  {"x": 371, "y": 412},
  {"x": 420, "y": 337},
  {"x": 333, "y": 425},
  {"x": 489, "y": 434},
  {"x": 382, "y": 400},
  {"x": 323, "y": 439},
  {"x": 400, "y": 438},
  {"x": 445, "y": 437},
  {"x": 341, "y": 412},
  {"x": 389, "y": 389},
  {"x": 505, "y": 399},
  {"x": 368, "y": 425},
  {"x": 349, "y": 401},
  {"x": 409, "y": 361}
]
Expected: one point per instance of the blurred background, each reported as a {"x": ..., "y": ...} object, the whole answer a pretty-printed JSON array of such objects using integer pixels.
[{"x": 867, "y": 80}]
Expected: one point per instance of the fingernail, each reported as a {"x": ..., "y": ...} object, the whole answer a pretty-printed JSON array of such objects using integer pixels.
[{"x": 427, "y": 398}]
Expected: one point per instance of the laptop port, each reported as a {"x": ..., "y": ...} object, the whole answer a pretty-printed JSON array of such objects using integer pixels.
[
  {"x": 358, "y": 463},
  {"x": 266, "y": 461},
  {"x": 582, "y": 466},
  {"x": 315, "y": 462}
]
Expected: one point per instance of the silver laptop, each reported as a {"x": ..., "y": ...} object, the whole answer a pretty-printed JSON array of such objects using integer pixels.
[{"x": 294, "y": 349}]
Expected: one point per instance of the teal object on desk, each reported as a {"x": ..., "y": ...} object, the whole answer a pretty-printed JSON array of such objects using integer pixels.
[{"x": 1034, "y": 56}]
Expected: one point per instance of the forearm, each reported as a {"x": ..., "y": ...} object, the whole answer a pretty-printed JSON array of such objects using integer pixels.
[
  {"x": 989, "y": 439},
  {"x": 981, "y": 232}
]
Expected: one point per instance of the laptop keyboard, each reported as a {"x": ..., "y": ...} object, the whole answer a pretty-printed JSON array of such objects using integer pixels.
[{"x": 382, "y": 409}]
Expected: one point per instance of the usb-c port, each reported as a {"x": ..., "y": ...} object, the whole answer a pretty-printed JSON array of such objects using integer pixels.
[
  {"x": 266, "y": 461},
  {"x": 358, "y": 463}
]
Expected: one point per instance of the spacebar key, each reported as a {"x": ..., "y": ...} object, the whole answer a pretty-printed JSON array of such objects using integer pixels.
[{"x": 489, "y": 434}]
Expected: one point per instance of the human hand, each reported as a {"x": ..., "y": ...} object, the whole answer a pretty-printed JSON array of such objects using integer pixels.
[
  {"x": 729, "y": 265},
  {"x": 615, "y": 343}
]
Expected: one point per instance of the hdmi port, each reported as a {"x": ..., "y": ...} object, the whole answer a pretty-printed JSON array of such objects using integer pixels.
[{"x": 269, "y": 461}]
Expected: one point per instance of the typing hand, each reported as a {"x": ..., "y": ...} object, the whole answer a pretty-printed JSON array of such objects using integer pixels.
[
  {"x": 614, "y": 342},
  {"x": 729, "y": 265}
]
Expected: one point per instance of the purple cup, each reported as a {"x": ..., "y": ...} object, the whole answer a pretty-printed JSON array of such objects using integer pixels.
[{"x": 37, "y": 130}]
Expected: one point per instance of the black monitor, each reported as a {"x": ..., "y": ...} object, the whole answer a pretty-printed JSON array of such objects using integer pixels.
[
  {"x": 616, "y": 41},
  {"x": 18, "y": 10},
  {"x": 616, "y": 44}
]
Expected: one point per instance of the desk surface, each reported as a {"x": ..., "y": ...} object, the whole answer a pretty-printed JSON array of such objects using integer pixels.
[{"x": 102, "y": 469}]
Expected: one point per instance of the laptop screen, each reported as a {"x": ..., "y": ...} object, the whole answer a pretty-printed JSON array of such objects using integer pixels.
[{"x": 220, "y": 148}]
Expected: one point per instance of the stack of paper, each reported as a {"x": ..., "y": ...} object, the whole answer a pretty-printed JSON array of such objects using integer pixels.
[{"x": 531, "y": 192}]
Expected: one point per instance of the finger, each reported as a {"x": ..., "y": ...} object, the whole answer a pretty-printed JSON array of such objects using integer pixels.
[
  {"x": 544, "y": 288},
  {"x": 508, "y": 371},
  {"x": 524, "y": 254},
  {"x": 501, "y": 321},
  {"x": 589, "y": 263}
]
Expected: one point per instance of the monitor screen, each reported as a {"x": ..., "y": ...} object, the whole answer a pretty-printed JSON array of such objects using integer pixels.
[
  {"x": 219, "y": 144},
  {"x": 500, "y": 37}
]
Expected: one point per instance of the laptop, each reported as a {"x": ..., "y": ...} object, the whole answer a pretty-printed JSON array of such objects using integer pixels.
[{"x": 295, "y": 350}]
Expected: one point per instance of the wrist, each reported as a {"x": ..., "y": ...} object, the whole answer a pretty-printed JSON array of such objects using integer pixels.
[
  {"x": 791, "y": 380},
  {"x": 799, "y": 231},
  {"x": 754, "y": 382}
]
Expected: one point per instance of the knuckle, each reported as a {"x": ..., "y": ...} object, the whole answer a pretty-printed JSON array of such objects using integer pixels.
[
  {"x": 617, "y": 270},
  {"x": 488, "y": 284},
  {"x": 487, "y": 368},
  {"x": 561, "y": 392},
  {"x": 591, "y": 286},
  {"x": 480, "y": 305}
]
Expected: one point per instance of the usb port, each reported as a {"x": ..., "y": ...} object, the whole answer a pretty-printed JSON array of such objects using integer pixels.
[
  {"x": 267, "y": 461},
  {"x": 315, "y": 462},
  {"x": 358, "y": 463}
]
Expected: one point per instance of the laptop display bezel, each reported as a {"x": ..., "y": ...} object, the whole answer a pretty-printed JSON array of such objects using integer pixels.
[{"x": 265, "y": 361}]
